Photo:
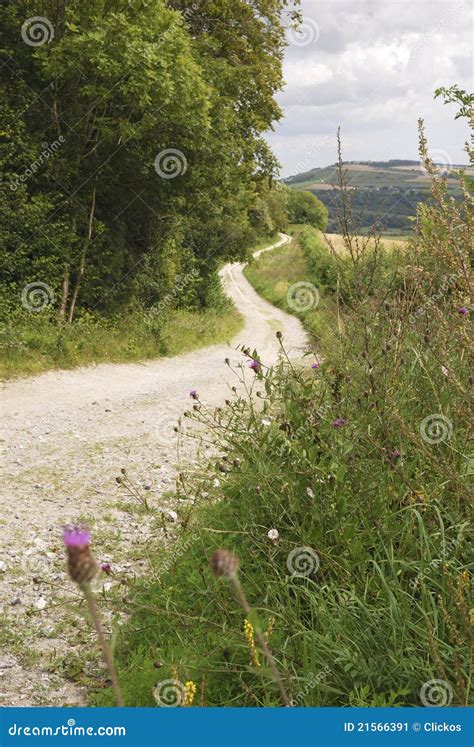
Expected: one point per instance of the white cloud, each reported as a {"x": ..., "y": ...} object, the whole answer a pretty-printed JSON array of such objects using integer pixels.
[{"x": 372, "y": 68}]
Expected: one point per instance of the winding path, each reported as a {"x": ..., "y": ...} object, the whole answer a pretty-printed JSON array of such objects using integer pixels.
[{"x": 66, "y": 434}]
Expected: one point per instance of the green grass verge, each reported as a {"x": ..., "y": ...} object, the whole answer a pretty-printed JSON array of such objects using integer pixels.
[{"x": 34, "y": 345}]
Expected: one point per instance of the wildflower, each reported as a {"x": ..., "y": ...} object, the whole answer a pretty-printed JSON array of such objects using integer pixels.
[
  {"x": 193, "y": 394},
  {"x": 216, "y": 482},
  {"x": 315, "y": 365},
  {"x": 265, "y": 421},
  {"x": 224, "y": 563},
  {"x": 106, "y": 568},
  {"x": 82, "y": 566},
  {"x": 255, "y": 365},
  {"x": 339, "y": 422},
  {"x": 464, "y": 311},
  {"x": 273, "y": 535},
  {"x": 189, "y": 692},
  {"x": 395, "y": 455},
  {"x": 249, "y": 635}
]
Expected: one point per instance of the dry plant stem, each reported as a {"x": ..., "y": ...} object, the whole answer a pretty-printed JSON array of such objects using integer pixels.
[
  {"x": 103, "y": 642},
  {"x": 262, "y": 643}
]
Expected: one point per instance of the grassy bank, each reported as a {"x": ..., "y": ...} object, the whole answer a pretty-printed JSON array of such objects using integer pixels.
[
  {"x": 345, "y": 497},
  {"x": 33, "y": 344}
]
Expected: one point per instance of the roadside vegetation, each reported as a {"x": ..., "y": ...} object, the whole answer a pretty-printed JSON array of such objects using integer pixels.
[
  {"x": 39, "y": 344},
  {"x": 133, "y": 166},
  {"x": 341, "y": 485}
]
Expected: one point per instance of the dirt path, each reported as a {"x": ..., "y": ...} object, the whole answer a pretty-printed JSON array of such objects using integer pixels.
[{"x": 66, "y": 434}]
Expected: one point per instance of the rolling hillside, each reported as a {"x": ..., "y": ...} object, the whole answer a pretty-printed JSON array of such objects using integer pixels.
[{"x": 385, "y": 192}]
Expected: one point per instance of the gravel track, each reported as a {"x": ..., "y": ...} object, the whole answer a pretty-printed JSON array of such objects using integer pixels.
[{"x": 65, "y": 436}]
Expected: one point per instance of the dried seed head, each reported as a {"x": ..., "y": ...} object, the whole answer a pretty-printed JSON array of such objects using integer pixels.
[
  {"x": 279, "y": 335},
  {"x": 224, "y": 563}
]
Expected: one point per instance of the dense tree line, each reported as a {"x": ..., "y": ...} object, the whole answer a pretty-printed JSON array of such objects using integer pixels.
[{"x": 131, "y": 147}]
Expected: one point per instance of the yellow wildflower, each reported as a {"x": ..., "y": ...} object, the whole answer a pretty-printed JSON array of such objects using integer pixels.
[
  {"x": 189, "y": 692},
  {"x": 249, "y": 635}
]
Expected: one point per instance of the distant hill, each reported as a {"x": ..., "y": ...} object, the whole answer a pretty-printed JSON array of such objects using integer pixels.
[{"x": 386, "y": 192}]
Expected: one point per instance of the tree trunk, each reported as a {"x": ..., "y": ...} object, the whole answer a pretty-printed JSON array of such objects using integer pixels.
[
  {"x": 82, "y": 263},
  {"x": 64, "y": 294}
]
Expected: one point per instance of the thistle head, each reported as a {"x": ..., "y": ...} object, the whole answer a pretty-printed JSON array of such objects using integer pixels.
[
  {"x": 82, "y": 566},
  {"x": 224, "y": 563}
]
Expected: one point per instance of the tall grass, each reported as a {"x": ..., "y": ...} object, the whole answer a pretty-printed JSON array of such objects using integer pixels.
[{"x": 361, "y": 465}]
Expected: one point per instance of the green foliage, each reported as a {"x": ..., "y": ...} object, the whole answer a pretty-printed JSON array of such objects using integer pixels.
[
  {"x": 89, "y": 119},
  {"x": 31, "y": 344},
  {"x": 341, "y": 461},
  {"x": 304, "y": 207},
  {"x": 454, "y": 94}
]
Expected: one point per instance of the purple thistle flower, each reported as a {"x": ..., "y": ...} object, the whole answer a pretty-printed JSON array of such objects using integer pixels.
[
  {"x": 193, "y": 394},
  {"x": 76, "y": 535},
  {"x": 464, "y": 311},
  {"x": 339, "y": 422},
  {"x": 255, "y": 365},
  {"x": 106, "y": 568},
  {"x": 395, "y": 455}
]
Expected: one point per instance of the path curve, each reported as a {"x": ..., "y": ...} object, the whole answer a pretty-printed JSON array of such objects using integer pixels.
[{"x": 66, "y": 434}]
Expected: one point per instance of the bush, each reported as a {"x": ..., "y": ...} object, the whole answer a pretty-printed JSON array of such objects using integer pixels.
[{"x": 304, "y": 207}]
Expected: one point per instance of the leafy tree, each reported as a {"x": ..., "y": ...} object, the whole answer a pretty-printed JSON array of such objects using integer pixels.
[
  {"x": 118, "y": 85},
  {"x": 304, "y": 207}
]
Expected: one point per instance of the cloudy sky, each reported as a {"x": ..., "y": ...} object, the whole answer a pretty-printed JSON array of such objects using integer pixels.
[{"x": 371, "y": 66}]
